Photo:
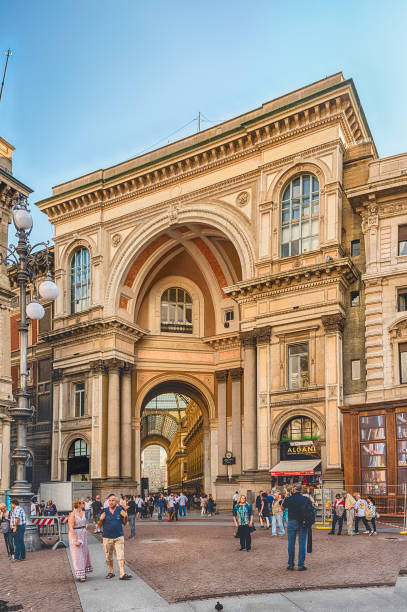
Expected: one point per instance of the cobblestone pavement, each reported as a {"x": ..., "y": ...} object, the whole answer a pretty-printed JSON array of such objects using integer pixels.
[
  {"x": 43, "y": 582},
  {"x": 187, "y": 561}
]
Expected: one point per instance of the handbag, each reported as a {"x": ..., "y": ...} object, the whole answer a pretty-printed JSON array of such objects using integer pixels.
[
  {"x": 368, "y": 514},
  {"x": 340, "y": 511},
  {"x": 252, "y": 528}
]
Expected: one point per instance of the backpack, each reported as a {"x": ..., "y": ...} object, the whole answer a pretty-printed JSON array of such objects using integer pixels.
[
  {"x": 368, "y": 514},
  {"x": 307, "y": 515}
]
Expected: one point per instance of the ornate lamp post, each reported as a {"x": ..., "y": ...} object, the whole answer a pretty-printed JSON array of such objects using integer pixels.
[{"x": 28, "y": 261}]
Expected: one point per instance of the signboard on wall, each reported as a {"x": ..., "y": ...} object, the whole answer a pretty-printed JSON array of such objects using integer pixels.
[{"x": 300, "y": 449}]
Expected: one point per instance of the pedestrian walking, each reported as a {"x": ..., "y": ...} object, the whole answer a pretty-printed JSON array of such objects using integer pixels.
[
  {"x": 88, "y": 509},
  {"x": 258, "y": 503},
  {"x": 243, "y": 520},
  {"x": 161, "y": 505},
  {"x": 18, "y": 522},
  {"x": 5, "y": 516},
  {"x": 112, "y": 520},
  {"x": 297, "y": 505},
  {"x": 338, "y": 514},
  {"x": 360, "y": 510},
  {"x": 371, "y": 514},
  {"x": 170, "y": 507},
  {"x": 350, "y": 502},
  {"x": 78, "y": 540},
  {"x": 277, "y": 515},
  {"x": 211, "y": 505},
  {"x": 264, "y": 511},
  {"x": 150, "y": 504},
  {"x": 131, "y": 514},
  {"x": 96, "y": 512}
]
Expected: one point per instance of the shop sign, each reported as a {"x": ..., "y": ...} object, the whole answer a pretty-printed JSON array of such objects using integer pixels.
[{"x": 301, "y": 449}]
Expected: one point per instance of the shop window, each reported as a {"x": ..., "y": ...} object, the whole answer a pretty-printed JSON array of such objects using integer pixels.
[
  {"x": 401, "y": 424},
  {"x": 402, "y": 300},
  {"x": 355, "y": 248},
  {"x": 401, "y": 432},
  {"x": 300, "y": 216},
  {"x": 403, "y": 362},
  {"x": 374, "y": 481},
  {"x": 354, "y": 298},
  {"x": 373, "y": 427},
  {"x": 298, "y": 372},
  {"x": 402, "y": 239},
  {"x": 176, "y": 311},
  {"x": 355, "y": 369},
  {"x": 79, "y": 399},
  {"x": 300, "y": 439},
  {"x": 373, "y": 455},
  {"x": 80, "y": 280}
]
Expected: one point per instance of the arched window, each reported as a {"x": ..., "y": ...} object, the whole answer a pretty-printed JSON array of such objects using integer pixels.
[
  {"x": 78, "y": 448},
  {"x": 300, "y": 216},
  {"x": 176, "y": 311},
  {"x": 80, "y": 280},
  {"x": 300, "y": 428}
]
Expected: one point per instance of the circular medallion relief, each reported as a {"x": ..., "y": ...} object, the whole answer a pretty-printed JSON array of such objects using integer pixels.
[
  {"x": 116, "y": 240},
  {"x": 243, "y": 198}
]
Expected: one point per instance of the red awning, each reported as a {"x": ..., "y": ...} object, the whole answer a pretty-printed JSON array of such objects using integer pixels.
[{"x": 295, "y": 468}]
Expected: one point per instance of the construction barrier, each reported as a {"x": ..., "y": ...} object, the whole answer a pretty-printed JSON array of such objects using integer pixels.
[{"x": 49, "y": 526}]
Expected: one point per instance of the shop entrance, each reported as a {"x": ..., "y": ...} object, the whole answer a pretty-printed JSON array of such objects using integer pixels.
[{"x": 78, "y": 461}]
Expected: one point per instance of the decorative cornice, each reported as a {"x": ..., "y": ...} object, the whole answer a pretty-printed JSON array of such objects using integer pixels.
[
  {"x": 271, "y": 283},
  {"x": 236, "y": 373},
  {"x": 221, "y": 375},
  {"x": 99, "y": 326},
  {"x": 248, "y": 338},
  {"x": 223, "y": 341},
  {"x": 247, "y": 138},
  {"x": 263, "y": 334}
]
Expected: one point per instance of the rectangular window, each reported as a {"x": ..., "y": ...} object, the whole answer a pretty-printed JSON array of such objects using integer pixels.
[
  {"x": 45, "y": 323},
  {"x": 44, "y": 370},
  {"x": 44, "y": 407},
  {"x": 354, "y": 298},
  {"x": 79, "y": 399},
  {"x": 402, "y": 239},
  {"x": 373, "y": 427},
  {"x": 229, "y": 315},
  {"x": 298, "y": 373},
  {"x": 402, "y": 453},
  {"x": 403, "y": 362},
  {"x": 373, "y": 455},
  {"x": 355, "y": 369},
  {"x": 402, "y": 300},
  {"x": 355, "y": 248}
]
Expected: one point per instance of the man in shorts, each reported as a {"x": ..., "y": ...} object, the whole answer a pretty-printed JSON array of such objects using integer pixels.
[{"x": 112, "y": 520}]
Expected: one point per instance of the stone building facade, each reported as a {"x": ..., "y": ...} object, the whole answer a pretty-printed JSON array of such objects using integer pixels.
[{"x": 228, "y": 267}]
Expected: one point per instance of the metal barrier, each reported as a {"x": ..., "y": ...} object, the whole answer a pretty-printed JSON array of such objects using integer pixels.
[{"x": 48, "y": 525}]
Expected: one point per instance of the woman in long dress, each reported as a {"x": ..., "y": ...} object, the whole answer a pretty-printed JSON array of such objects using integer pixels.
[{"x": 78, "y": 541}]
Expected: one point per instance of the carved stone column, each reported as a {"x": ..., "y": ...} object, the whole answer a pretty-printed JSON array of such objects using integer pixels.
[
  {"x": 5, "y": 455},
  {"x": 221, "y": 377},
  {"x": 113, "y": 421},
  {"x": 125, "y": 448},
  {"x": 99, "y": 372},
  {"x": 250, "y": 402},
  {"x": 263, "y": 335},
  {"x": 137, "y": 452},
  {"x": 236, "y": 376},
  {"x": 333, "y": 326}
]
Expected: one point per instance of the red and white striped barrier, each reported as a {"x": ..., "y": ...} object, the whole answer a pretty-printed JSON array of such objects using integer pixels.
[{"x": 40, "y": 522}]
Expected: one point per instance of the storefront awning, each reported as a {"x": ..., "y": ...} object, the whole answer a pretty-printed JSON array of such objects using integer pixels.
[{"x": 295, "y": 468}]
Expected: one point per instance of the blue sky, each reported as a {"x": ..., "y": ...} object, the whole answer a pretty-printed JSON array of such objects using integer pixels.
[{"x": 94, "y": 82}]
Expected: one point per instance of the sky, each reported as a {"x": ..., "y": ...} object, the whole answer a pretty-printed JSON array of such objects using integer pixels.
[{"x": 92, "y": 83}]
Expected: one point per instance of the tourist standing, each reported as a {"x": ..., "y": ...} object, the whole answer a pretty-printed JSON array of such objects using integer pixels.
[
  {"x": 182, "y": 501},
  {"x": 170, "y": 506},
  {"x": 338, "y": 512},
  {"x": 277, "y": 515},
  {"x": 17, "y": 523},
  {"x": 204, "y": 504},
  {"x": 295, "y": 506},
  {"x": 113, "y": 519},
  {"x": 131, "y": 514},
  {"x": 96, "y": 512},
  {"x": 150, "y": 503},
  {"x": 350, "y": 502},
  {"x": 5, "y": 516},
  {"x": 371, "y": 514},
  {"x": 243, "y": 520},
  {"x": 211, "y": 505},
  {"x": 78, "y": 540},
  {"x": 264, "y": 511},
  {"x": 360, "y": 509},
  {"x": 258, "y": 503},
  {"x": 161, "y": 505},
  {"x": 88, "y": 509}
]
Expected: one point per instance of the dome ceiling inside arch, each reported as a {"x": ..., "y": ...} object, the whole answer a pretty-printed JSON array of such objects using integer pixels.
[{"x": 163, "y": 414}]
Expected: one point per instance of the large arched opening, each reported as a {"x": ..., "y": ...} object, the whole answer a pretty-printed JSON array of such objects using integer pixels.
[{"x": 174, "y": 415}]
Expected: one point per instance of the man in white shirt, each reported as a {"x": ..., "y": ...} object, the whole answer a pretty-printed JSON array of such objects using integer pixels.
[
  {"x": 182, "y": 500},
  {"x": 88, "y": 509},
  {"x": 33, "y": 508},
  {"x": 360, "y": 508}
]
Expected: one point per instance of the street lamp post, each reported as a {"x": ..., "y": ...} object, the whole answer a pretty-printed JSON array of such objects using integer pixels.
[{"x": 28, "y": 261}]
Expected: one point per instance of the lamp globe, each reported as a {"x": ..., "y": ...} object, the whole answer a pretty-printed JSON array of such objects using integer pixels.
[
  {"x": 35, "y": 311},
  {"x": 22, "y": 219}
]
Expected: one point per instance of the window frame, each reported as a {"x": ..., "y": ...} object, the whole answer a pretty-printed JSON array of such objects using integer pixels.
[
  {"x": 81, "y": 393},
  {"x": 403, "y": 228},
  {"x": 293, "y": 205},
  {"x": 400, "y": 351},
  {"x": 354, "y": 243},
  {"x": 76, "y": 287},
  {"x": 289, "y": 367},
  {"x": 72, "y": 455},
  {"x": 401, "y": 291},
  {"x": 186, "y": 305},
  {"x": 370, "y": 485}
]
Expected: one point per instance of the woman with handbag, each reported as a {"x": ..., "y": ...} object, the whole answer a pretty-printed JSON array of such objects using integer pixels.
[
  {"x": 371, "y": 514},
  {"x": 339, "y": 511},
  {"x": 5, "y": 516},
  {"x": 243, "y": 520}
]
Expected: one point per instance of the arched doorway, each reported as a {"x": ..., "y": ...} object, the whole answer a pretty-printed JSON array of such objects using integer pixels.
[
  {"x": 174, "y": 412},
  {"x": 78, "y": 461},
  {"x": 154, "y": 459}
]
